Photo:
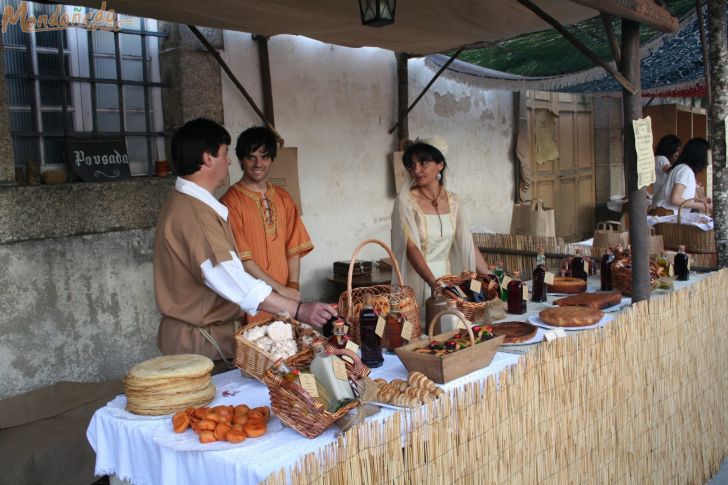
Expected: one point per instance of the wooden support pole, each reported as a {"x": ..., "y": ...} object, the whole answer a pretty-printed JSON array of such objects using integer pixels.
[
  {"x": 402, "y": 98},
  {"x": 647, "y": 12},
  {"x": 632, "y": 108},
  {"x": 624, "y": 82},
  {"x": 613, "y": 43},
  {"x": 265, "y": 78},
  {"x": 432, "y": 81},
  {"x": 704, "y": 45},
  {"x": 211, "y": 49}
]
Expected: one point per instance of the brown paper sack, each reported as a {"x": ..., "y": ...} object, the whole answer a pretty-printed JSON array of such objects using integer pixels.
[
  {"x": 533, "y": 219},
  {"x": 610, "y": 234}
]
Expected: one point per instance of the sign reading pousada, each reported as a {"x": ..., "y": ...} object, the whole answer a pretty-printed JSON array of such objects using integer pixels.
[{"x": 98, "y": 159}]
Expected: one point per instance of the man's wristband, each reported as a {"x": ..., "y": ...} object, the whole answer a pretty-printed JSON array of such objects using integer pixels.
[
  {"x": 293, "y": 284},
  {"x": 297, "y": 309}
]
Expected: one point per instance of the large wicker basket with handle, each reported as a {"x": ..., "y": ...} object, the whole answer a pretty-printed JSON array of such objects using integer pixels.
[
  {"x": 295, "y": 412},
  {"x": 471, "y": 309},
  {"x": 692, "y": 237},
  {"x": 255, "y": 361},
  {"x": 351, "y": 301}
]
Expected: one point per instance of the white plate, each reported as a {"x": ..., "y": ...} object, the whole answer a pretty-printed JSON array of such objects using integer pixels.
[
  {"x": 536, "y": 320},
  {"x": 540, "y": 333},
  {"x": 390, "y": 406},
  {"x": 117, "y": 408},
  {"x": 189, "y": 441}
]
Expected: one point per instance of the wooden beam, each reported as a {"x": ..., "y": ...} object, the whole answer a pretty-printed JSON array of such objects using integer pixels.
[
  {"x": 623, "y": 81},
  {"x": 402, "y": 97},
  {"x": 432, "y": 81},
  {"x": 265, "y": 78},
  {"x": 646, "y": 12},
  {"x": 613, "y": 43}
]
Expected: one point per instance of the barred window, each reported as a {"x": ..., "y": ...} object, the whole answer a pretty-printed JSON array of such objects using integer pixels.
[{"x": 77, "y": 82}]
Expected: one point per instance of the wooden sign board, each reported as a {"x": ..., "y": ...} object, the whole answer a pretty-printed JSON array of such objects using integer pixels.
[{"x": 98, "y": 159}]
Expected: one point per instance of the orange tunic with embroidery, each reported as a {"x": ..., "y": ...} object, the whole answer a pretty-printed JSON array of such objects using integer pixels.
[{"x": 268, "y": 244}]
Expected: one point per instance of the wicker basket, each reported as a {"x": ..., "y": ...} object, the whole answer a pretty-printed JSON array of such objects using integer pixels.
[
  {"x": 295, "y": 412},
  {"x": 622, "y": 276},
  {"x": 693, "y": 238},
  {"x": 472, "y": 310},
  {"x": 255, "y": 361},
  {"x": 449, "y": 366},
  {"x": 351, "y": 301}
]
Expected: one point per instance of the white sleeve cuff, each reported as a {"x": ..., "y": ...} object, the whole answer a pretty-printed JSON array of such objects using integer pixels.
[{"x": 230, "y": 280}]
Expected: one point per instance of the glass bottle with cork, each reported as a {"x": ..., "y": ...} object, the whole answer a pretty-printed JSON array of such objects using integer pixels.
[
  {"x": 395, "y": 324},
  {"x": 682, "y": 264},
  {"x": 500, "y": 273},
  {"x": 605, "y": 274},
  {"x": 324, "y": 368},
  {"x": 516, "y": 302},
  {"x": 539, "y": 276},
  {"x": 579, "y": 266},
  {"x": 339, "y": 337},
  {"x": 290, "y": 381},
  {"x": 371, "y": 342}
]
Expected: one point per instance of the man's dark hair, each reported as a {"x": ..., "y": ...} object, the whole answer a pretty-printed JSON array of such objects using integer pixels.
[
  {"x": 694, "y": 155},
  {"x": 667, "y": 146},
  {"x": 195, "y": 138},
  {"x": 253, "y": 138}
]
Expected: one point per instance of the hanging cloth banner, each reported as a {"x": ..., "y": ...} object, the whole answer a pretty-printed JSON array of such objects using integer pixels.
[{"x": 645, "y": 155}]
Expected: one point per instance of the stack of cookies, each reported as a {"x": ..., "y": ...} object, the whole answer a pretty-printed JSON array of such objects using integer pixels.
[{"x": 169, "y": 384}]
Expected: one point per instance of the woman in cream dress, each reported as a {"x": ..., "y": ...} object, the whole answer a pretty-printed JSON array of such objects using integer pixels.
[{"x": 430, "y": 234}]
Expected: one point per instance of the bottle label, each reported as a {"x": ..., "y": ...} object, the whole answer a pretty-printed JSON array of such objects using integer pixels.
[
  {"x": 586, "y": 267},
  {"x": 406, "y": 330},
  {"x": 475, "y": 286},
  {"x": 351, "y": 345},
  {"x": 548, "y": 278},
  {"x": 380, "y": 326},
  {"x": 525, "y": 292},
  {"x": 308, "y": 383},
  {"x": 506, "y": 280},
  {"x": 339, "y": 369},
  {"x": 670, "y": 270}
]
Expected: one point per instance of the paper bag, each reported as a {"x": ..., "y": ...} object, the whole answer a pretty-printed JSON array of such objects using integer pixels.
[
  {"x": 610, "y": 234},
  {"x": 655, "y": 242},
  {"x": 533, "y": 219}
]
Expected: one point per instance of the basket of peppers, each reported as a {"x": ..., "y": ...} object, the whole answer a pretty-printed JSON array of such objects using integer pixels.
[{"x": 452, "y": 354}]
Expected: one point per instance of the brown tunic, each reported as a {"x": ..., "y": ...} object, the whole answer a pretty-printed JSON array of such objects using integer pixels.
[{"x": 189, "y": 232}]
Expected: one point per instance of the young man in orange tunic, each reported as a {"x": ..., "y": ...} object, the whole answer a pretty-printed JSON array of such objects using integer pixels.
[{"x": 269, "y": 234}]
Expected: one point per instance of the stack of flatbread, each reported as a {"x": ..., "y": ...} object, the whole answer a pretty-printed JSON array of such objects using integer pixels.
[{"x": 169, "y": 384}]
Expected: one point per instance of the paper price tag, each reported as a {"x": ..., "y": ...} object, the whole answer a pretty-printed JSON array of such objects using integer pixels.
[
  {"x": 688, "y": 264},
  {"x": 380, "y": 326},
  {"x": 351, "y": 345},
  {"x": 340, "y": 369},
  {"x": 586, "y": 267},
  {"x": 551, "y": 335},
  {"x": 506, "y": 280},
  {"x": 406, "y": 330},
  {"x": 670, "y": 270},
  {"x": 525, "y": 292},
  {"x": 475, "y": 286},
  {"x": 308, "y": 383},
  {"x": 548, "y": 278}
]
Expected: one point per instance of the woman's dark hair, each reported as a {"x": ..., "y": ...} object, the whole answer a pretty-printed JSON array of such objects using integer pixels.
[
  {"x": 694, "y": 155},
  {"x": 423, "y": 152},
  {"x": 253, "y": 138},
  {"x": 194, "y": 139},
  {"x": 667, "y": 146}
]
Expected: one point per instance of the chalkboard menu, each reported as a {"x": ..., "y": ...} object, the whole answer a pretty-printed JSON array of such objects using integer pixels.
[{"x": 98, "y": 159}]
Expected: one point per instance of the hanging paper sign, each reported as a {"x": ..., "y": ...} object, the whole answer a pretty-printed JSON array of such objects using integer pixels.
[
  {"x": 380, "y": 326},
  {"x": 645, "y": 155}
]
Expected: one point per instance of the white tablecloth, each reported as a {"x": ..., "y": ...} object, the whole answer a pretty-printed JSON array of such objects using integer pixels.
[{"x": 127, "y": 448}]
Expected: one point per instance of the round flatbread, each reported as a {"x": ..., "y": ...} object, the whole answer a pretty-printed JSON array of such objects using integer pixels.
[
  {"x": 571, "y": 316},
  {"x": 568, "y": 285},
  {"x": 515, "y": 332},
  {"x": 171, "y": 366},
  {"x": 167, "y": 404},
  {"x": 594, "y": 300}
]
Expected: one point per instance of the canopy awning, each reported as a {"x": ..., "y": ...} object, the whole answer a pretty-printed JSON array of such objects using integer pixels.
[{"x": 421, "y": 26}]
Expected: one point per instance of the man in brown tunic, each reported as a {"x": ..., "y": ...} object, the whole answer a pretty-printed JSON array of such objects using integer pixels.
[{"x": 201, "y": 287}]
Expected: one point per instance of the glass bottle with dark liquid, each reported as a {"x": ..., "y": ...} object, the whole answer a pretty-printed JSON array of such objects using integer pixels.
[
  {"x": 371, "y": 343},
  {"x": 395, "y": 323},
  {"x": 577, "y": 266},
  {"x": 516, "y": 303},
  {"x": 539, "y": 274},
  {"x": 606, "y": 271},
  {"x": 682, "y": 267}
]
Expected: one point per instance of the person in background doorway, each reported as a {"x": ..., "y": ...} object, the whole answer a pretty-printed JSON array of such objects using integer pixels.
[
  {"x": 269, "y": 234},
  {"x": 666, "y": 152},
  {"x": 430, "y": 233},
  {"x": 201, "y": 287},
  {"x": 681, "y": 184}
]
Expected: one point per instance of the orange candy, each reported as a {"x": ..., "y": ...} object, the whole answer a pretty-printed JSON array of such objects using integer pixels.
[
  {"x": 221, "y": 431},
  {"x": 255, "y": 428},
  {"x": 180, "y": 422},
  {"x": 236, "y": 436},
  {"x": 207, "y": 437}
]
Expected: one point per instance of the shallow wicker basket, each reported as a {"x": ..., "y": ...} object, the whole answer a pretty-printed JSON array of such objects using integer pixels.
[
  {"x": 471, "y": 309},
  {"x": 622, "y": 278},
  {"x": 295, "y": 412},
  {"x": 255, "y": 361},
  {"x": 692, "y": 237},
  {"x": 351, "y": 301}
]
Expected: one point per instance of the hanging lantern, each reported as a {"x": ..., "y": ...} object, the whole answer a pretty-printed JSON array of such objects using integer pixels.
[{"x": 377, "y": 13}]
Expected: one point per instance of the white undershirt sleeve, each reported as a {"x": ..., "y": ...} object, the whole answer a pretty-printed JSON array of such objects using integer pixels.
[{"x": 229, "y": 280}]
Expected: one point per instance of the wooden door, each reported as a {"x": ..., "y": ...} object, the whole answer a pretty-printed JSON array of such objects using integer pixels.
[{"x": 567, "y": 182}]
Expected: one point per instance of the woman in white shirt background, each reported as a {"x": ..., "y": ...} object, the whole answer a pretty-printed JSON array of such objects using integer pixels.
[
  {"x": 666, "y": 152},
  {"x": 681, "y": 183}
]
